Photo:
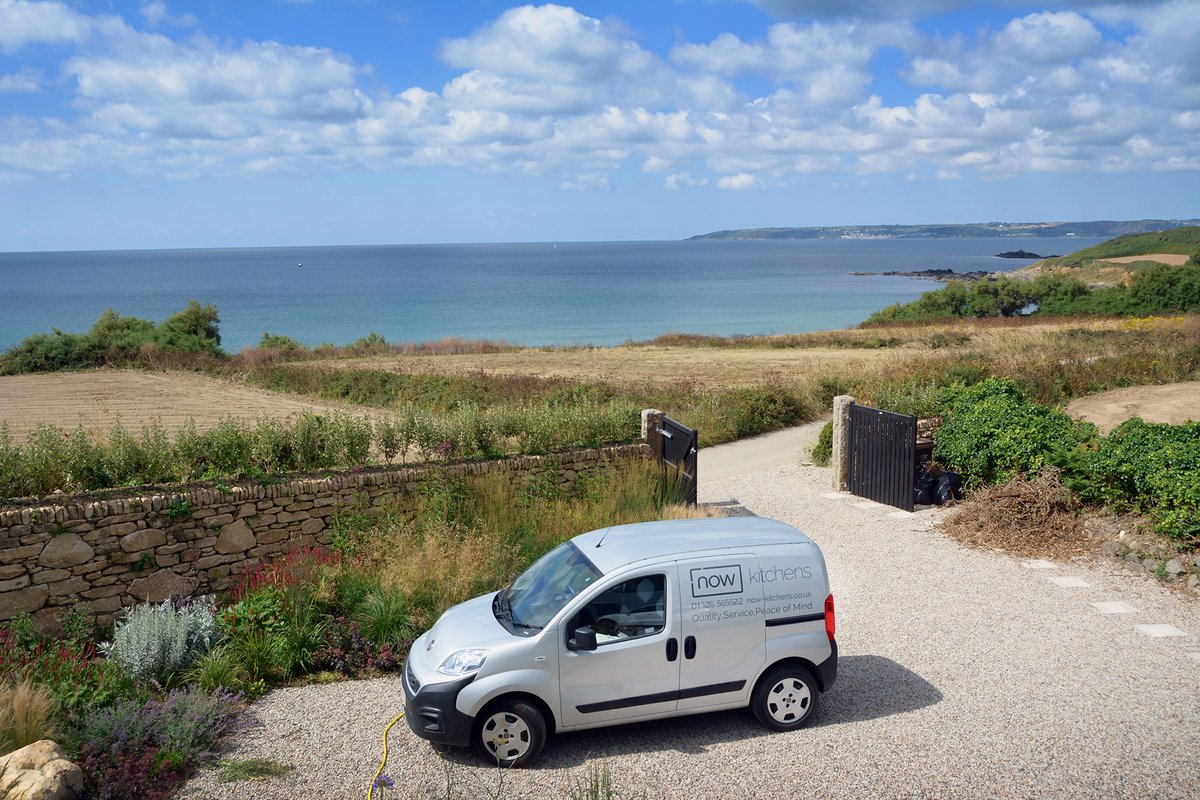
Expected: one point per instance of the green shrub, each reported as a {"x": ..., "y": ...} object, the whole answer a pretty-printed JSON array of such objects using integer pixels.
[
  {"x": 154, "y": 642},
  {"x": 116, "y": 340},
  {"x": 822, "y": 451},
  {"x": 1151, "y": 468},
  {"x": 383, "y": 618},
  {"x": 276, "y": 341},
  {"x": 993, "y": 432}
]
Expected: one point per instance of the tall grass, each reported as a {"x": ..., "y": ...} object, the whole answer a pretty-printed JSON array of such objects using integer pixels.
[
  {"x": 26, "y": 715},
  {"x": 469, "y": 537}
]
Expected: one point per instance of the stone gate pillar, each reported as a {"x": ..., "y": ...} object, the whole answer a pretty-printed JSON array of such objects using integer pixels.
[{"x": 841, "y": 441}]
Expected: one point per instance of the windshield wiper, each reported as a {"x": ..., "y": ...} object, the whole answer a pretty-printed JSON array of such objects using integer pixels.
[{"x": 500, "y": 607}]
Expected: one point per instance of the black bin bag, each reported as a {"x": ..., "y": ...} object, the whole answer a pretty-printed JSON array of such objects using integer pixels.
[{"x": 949, "y": 488}]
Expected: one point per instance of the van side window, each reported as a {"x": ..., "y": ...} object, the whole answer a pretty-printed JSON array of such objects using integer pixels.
[{"x": 636, "y": 607}]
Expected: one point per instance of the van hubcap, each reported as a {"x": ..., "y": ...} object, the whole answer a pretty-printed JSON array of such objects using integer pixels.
[
  {"x": 506, "y": 736},
  {"x": 789, "y": 700}
]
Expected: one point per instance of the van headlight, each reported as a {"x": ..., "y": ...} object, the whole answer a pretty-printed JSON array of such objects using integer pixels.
[{"x": 461, "y": 662}]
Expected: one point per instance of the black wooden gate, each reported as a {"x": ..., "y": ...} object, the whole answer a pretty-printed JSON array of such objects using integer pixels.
[
  {"x": 883, "y": 449},
  {"x": 678, "y": 449}
]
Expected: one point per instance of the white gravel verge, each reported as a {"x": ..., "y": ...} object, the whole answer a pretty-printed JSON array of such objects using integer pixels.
[{"x": 963, "y": 674}]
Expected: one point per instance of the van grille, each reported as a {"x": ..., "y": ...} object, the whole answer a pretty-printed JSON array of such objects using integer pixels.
[{"x": 413, "y": 683}]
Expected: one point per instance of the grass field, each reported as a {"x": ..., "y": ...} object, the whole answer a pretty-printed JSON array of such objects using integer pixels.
[{"x": 1073, "y": 357}]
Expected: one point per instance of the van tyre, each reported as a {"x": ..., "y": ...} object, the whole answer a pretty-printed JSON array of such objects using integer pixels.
[
  {"x": 509, "y": 733},
  {"x": 785, "y": 698}
]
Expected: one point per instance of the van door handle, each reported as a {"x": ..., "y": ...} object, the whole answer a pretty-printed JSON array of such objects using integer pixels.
[
  {"x": 672, "y": 649},
  {"x": 689, "y": 647}
]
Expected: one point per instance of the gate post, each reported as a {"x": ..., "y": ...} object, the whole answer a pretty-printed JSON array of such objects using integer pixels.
[
  {"x": 840, "y": 460},
  {"x": 652, "y": 429}
]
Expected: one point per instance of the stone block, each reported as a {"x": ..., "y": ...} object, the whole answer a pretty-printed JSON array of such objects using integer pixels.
[
  {"x": 104, "y": 604},
  {"x": 120, "y": 529},
  {"x": 271, "y": 537},
  {"x": 51, "y": 575},
  {"x": 246, "y": 510},
  {"x": 312, "y": 526},
  {"x": 219, "y": 520},
  {"x": 143, "y": 539},
  {"x": 19, "y": 582},
  {"x": 71, "y": 586},
  {"x": 218, "y": 572},
  {"x": 212, "y": 561},
  {"x": 23, "y": 601},
  {"x": 236, "y": 537},
  {"x": 160, "y": 585},
  {"x": 103, "y": 591},
  {"x": 66, "y": 550},
  {"x": 11, "y": 571},
  {"x": 167, "y": 559},
  {"x": 15, "y": 554},
  {"x": 287, "y": 517}
]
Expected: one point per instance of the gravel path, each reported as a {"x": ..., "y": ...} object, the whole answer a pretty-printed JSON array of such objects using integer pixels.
[{"x": 963, "y": 674}]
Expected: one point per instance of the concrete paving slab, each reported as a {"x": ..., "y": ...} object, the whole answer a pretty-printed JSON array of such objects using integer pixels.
[
  {"x": 1160, "y": 630},
  {"x": 1113, "y": 607}
]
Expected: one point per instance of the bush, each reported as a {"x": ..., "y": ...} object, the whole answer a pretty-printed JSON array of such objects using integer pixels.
[
  {"x": 155, "y": 642},
  {"x": 1151, "y": 468},
  {"x": 822, "y": 451},
  {"x": 993, "y": 433},
  {"x": 115, "y": 340},
  {"x": 144, "y": 749},
  {"x": 69, "y": 670}
]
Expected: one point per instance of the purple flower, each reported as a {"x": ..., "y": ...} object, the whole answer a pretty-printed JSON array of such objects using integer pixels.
[{"x": 384, "y": 782}]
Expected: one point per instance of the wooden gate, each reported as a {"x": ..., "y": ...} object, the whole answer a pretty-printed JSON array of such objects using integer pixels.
[
  {"x": 678, "y": 449},
  {"x": 882, "y": 449}
]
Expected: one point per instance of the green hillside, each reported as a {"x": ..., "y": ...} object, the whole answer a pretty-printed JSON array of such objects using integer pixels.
[{"x": 1181, "y": 241}]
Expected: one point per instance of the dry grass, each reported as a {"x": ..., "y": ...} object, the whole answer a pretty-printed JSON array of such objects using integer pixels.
[
  {"x": 26, "y": 715},
  {"x": 468, "y": 538},
  {"x": 1027, "y": 516}
]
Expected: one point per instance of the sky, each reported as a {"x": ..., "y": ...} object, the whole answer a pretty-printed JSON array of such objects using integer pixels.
[{"x": 202, "y": 123}]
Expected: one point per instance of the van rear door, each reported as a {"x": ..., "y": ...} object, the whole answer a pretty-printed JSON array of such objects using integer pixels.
[{"x": 723, "y": 628}]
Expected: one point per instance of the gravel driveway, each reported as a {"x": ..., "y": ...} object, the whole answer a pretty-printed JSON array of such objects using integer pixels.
[{"x": 963, "y": 674}]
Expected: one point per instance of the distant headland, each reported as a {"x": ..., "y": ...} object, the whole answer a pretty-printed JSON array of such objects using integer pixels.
[{"x": 974, "y": 230}]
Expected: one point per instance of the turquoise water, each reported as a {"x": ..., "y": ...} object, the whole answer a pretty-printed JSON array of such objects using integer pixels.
[{"x": 601, "y": 293}]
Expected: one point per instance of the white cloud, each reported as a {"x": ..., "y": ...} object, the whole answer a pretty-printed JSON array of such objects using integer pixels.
[
  {"x": 23, "y": 22},
  {"x": 740, "y": 182},
  {"x": 548, "y": 91},
  {"x": 27, "y": 80},
  {"x": 680, "y": 180},
  {"x": 155, "y": 13},
  {"x": 587, "y": 182}
]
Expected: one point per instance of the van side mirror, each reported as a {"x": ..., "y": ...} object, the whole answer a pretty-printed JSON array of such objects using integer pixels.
[{"x": 584, "y": 639}]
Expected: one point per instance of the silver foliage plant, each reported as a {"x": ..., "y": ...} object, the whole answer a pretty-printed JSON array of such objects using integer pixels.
[{"x": 156, "y": 640}]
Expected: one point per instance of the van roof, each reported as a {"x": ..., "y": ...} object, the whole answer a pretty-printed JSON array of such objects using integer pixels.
[{"x": 610, "y": 548}]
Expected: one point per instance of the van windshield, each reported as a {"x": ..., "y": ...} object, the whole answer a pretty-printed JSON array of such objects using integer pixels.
[{"x": 540, "y": 592}]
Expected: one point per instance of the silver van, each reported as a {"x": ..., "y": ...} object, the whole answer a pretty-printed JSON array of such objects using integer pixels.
[{"x": 626, "y": 624}]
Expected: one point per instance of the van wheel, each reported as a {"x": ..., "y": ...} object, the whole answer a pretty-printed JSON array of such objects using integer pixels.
[
  {"x": 785, "y": 698},
  {"x": 509, "y": 733}
]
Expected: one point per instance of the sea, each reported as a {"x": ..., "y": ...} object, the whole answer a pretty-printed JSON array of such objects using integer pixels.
[{"x": 564, "y": 293}]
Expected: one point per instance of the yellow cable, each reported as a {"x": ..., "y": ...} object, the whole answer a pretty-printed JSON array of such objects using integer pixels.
[{"x": 383, "y": 763}]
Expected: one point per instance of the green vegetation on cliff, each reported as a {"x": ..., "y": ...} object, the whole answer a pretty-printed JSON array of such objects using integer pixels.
[
  {"x": 1059, "y": 288},
  {"x": 115, "y": 340}
]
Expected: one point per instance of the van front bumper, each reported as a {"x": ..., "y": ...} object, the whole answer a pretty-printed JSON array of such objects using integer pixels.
[{"x": 431, "y": 710}]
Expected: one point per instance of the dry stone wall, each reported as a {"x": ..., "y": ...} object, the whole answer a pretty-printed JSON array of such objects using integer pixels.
[{"x": 99, "y": 555}]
